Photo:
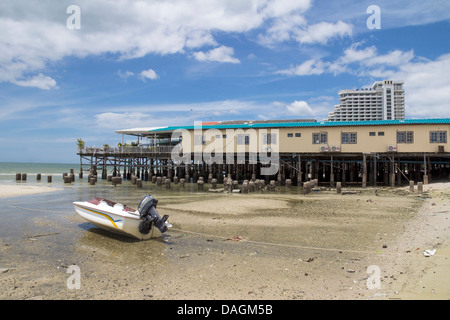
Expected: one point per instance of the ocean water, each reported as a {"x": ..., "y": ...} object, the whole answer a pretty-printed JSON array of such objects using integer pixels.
[{"x": 11, "y": 168}]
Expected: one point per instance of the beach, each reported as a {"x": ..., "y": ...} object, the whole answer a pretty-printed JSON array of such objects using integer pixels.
[
  {"x": 23, "y": 190},
  {"x": 280, "y": 245}
]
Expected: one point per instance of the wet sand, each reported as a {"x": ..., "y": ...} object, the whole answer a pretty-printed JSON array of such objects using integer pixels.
[
  {"x": 8, "y": 190},
  {"x": 273, "y": 246}
]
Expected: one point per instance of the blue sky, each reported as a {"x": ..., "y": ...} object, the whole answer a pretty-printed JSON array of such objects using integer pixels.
[{"x": 151, "y": 63}]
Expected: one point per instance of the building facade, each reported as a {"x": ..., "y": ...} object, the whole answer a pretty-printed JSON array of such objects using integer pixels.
[
  {"x": 360, "y": 152},
  {"x": 384, "y": 101}
]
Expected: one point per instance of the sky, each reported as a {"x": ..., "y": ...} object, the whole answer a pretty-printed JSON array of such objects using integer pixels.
[{"x": 85, "y": 68}]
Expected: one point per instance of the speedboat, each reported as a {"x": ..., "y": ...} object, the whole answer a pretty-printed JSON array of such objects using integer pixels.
[{"x": 143, "y": 223}]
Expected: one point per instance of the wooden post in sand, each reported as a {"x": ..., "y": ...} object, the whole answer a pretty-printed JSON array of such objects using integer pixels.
[
  {"x": 338, "y": 188},
  {"x": 364, "y": 175},
  {"x": 419, "y": 187}
]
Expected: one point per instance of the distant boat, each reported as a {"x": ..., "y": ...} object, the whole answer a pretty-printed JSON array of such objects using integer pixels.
[{"x": 143, "y": 223}]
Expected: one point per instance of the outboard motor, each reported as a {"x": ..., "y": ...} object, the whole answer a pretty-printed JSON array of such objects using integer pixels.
[{"x": 149, "y": 215}]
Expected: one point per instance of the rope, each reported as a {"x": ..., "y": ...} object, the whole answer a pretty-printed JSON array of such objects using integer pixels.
[
  {"x": 245, "y": 240},
  {"x": 273, "y": 244},
  {"x": 39, "y": 210}
]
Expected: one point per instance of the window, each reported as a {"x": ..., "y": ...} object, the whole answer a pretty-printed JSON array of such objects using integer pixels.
[
  {"x": 405, "y": 137},
  {"x": 320, "y": 138},
  {"x": 224, "y": 136},
  {"x": 243, "y": 139},
  {"x": 438, "y": 137},
  {"x": 349, "y": 137},
  {"x": 298, "y": 135},
  {"x": 269, "y": 138},
  {"x": 372, "y": 134},
  {"x": 290, "y": 135},
  {"x": 199, "y": 139},
  {"x": 381, "y": 133}
]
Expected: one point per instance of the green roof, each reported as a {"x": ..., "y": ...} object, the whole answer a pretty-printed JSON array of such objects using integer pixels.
[{"x": 249, "y": 124}]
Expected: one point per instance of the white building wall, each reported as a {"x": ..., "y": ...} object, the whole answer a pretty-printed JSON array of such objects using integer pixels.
[{"x": 384, "y": 101}]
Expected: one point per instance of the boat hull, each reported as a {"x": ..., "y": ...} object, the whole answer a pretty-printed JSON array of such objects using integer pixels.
[{"x": 114, "y": 219}]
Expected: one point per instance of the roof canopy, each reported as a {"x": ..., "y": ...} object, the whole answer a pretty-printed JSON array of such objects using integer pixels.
[{"x": 159, "y": 131}]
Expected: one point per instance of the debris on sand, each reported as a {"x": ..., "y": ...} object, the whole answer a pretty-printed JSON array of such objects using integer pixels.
[{"x": 235, "y": 238}]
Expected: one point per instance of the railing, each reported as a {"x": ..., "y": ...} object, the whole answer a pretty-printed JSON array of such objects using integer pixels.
[{"x": 126, "y": 150}]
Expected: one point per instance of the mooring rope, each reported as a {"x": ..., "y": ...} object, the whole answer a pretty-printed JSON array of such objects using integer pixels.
[
  {"x": 231, "y": 238},
  {"x": 39, "y": 210},
  {"x": 274, "y": 244}
]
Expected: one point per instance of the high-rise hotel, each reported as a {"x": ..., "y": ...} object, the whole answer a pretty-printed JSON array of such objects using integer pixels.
[{"x": 384, "y": 101}]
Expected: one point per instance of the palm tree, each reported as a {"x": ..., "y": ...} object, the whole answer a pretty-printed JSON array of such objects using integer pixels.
[{"x": 80, "y": 145}]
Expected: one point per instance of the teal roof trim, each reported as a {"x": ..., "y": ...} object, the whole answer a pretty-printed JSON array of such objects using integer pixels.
[{"x": 308, "y": 124}]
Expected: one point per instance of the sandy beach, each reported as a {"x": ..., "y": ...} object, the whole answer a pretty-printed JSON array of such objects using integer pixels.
[
  {"x": 8, "y": 190},
  {"x": 272, "y": 246}
]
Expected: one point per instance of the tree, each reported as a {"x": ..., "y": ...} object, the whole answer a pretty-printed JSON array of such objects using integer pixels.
[{"x": 80, "y": 145}]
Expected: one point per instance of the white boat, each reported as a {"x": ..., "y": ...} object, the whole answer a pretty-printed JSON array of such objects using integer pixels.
[{"x": 143, "y": 223}]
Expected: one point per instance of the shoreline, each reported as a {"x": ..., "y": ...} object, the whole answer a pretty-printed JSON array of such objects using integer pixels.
[
  {"x": 414, "y": 275},
  {"x": 293, "y": 247},
  {"x": 11, "y": 190}
]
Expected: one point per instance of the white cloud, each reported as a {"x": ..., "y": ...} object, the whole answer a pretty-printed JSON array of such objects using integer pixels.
[
  {"x": 149, "y": 74},
  {"x": 427, "y": 84},
  {"x": 125, "y": 75},
  {"x": 220, "y": 54},
  {"x": 300, "y": 108},
  {"x": 323, "y": 31},
  {"x": 37, "y": 32},
  {"x": 427, "y": 87},
  {"x": 40, "y": 81},
  {"x": 361, "y": 62},
  {"x": 115, "y": 120},
  {"x": 309, "y": 67},
  {"x": 281, "y": 29}
]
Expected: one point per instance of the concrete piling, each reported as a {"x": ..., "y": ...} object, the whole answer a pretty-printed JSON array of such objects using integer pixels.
[
  {"x": 420, "y": 187},
  {"x": 251, "y": 186},
  {"x": 245, "y": 186},
  {"x": 272, "y": 185},
  {"x": 307, "y": 187}
]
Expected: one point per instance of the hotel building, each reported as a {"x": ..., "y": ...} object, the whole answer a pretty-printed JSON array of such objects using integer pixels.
[{"x": 384, "y": 101}]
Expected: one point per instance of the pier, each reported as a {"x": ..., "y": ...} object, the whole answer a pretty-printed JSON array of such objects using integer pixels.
[
  {"x": 355, "y": 169},
  {"x": 361, "y": 153}
]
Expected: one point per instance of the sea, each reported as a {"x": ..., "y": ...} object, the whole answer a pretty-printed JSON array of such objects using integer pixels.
[{"x": 8, "y": 170}]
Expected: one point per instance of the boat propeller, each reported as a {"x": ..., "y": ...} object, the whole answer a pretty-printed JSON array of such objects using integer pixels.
[{"x": 149, "y": 215}]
